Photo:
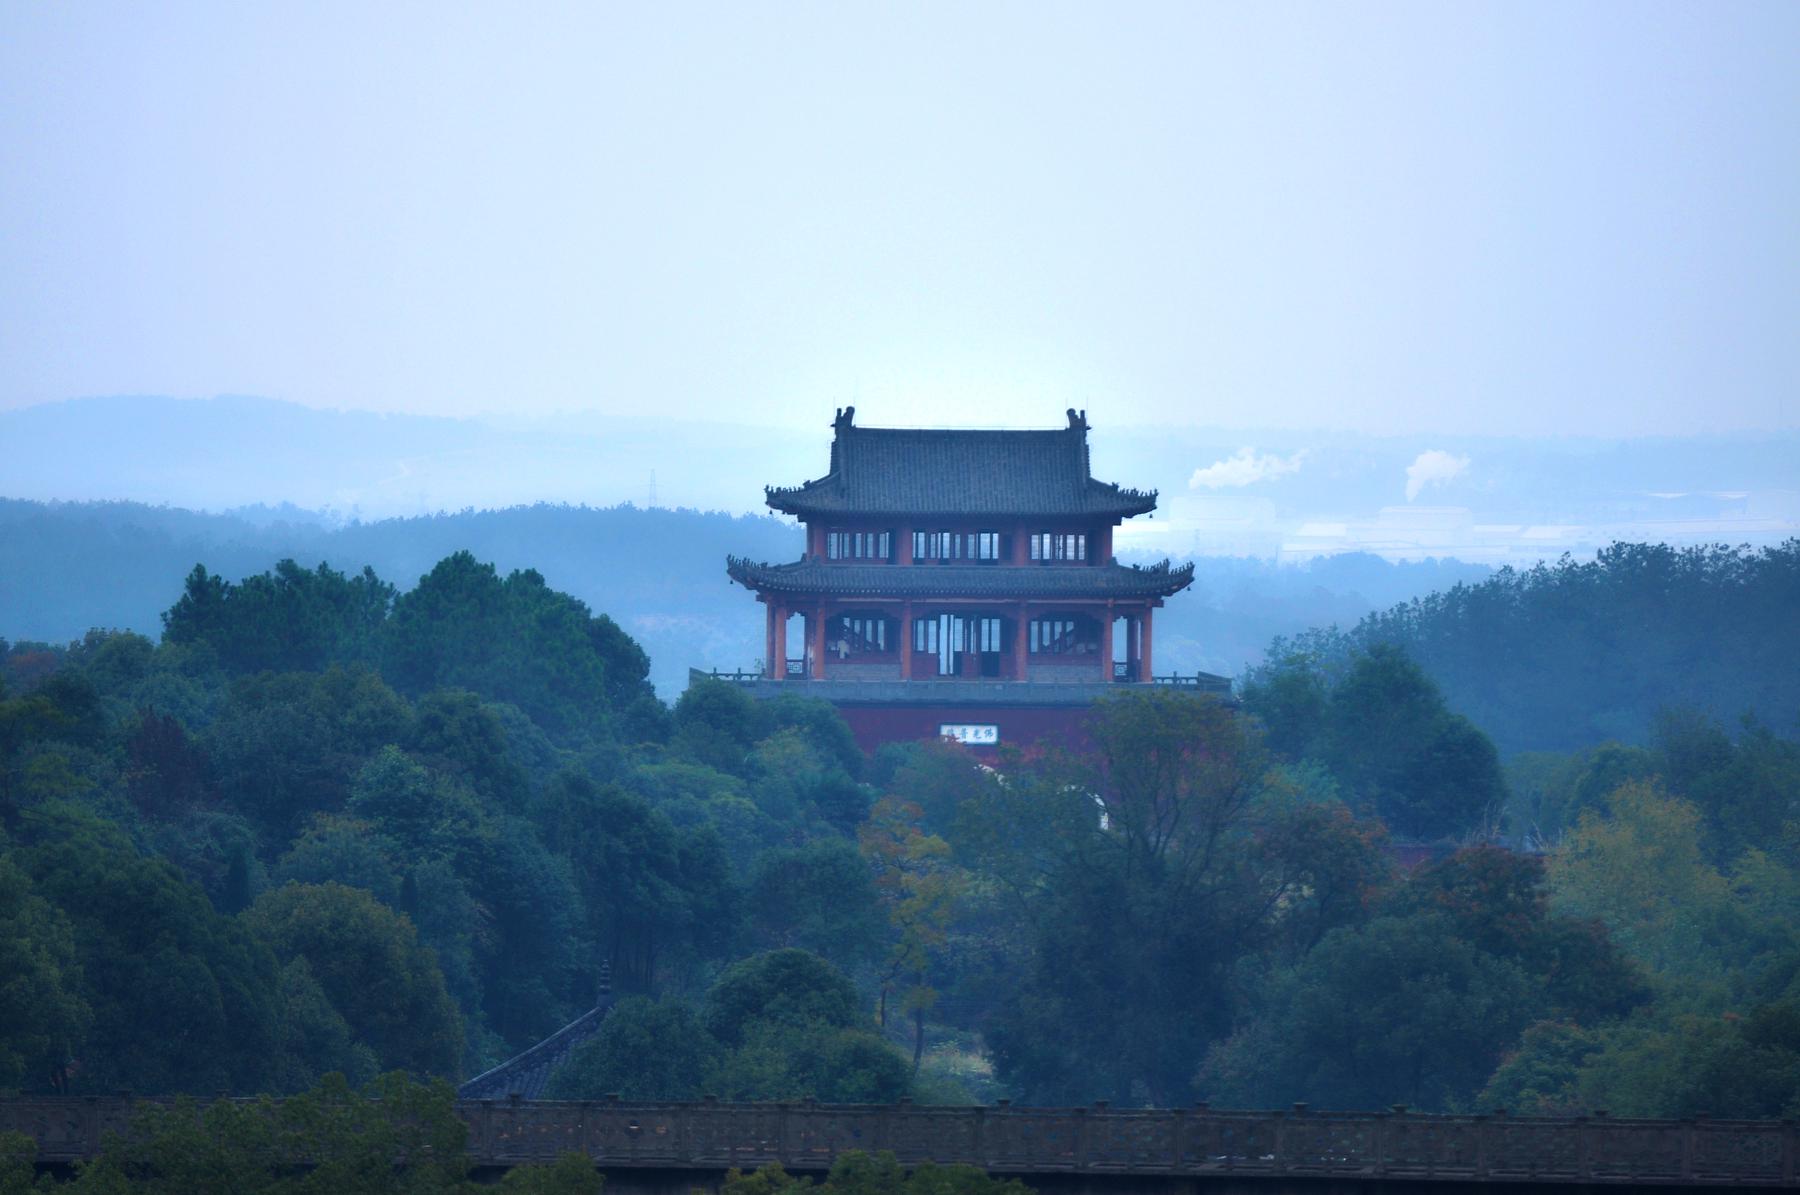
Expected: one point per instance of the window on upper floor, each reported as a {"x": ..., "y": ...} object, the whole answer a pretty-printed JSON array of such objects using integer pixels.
[
  {"x": 1058, "y": 545},
  {"x": 859, "y": 545},
  {"x": 978, "y": 546}
]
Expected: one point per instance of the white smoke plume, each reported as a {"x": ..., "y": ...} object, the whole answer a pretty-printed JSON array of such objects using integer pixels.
[
  {"x": 1433, "y": 467},
  {"x": 1245, "y": 467}
]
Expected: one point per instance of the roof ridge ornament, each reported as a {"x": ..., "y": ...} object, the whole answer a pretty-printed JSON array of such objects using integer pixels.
[
  {"x": 846, "y": 418},
  {"x": 1078, "y": 419}
]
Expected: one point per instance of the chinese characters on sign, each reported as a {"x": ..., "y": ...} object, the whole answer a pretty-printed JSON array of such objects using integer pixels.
[{"x": 972, "y": 734}]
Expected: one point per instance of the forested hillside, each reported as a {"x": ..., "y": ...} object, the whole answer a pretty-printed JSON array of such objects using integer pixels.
[
  {"x": 329, "y": 824},
  {"x": 1575, "y": 653}
]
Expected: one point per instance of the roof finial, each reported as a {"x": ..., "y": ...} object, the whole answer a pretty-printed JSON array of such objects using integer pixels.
[
  {"x": 1077, "y": 420},
  {"x": 845, "y": 417}
]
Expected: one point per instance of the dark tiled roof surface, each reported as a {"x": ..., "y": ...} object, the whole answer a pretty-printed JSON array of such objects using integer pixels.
[
  {"x": 527, "y": 1075},
  {"x": 903, "y": 470},
  {"x": 964, "y": 580}
]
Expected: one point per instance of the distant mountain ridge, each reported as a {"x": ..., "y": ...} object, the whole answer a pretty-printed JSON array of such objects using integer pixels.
[{"x": 1271, "y": 494}]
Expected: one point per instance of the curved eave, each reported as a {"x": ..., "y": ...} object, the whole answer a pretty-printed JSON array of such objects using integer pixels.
[
  {"x": 819, "y": 498},
  {"x": 999, "y": 582}
]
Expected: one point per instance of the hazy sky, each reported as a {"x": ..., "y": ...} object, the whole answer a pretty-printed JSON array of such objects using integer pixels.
[{"x": 1510, "y": 218}]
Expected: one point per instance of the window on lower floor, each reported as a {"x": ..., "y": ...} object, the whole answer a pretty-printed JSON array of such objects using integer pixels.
[
  {"x": 1061, "y": 636},
  {"x": 987, "y": 634},
  {"x": 858, "y": 634}
]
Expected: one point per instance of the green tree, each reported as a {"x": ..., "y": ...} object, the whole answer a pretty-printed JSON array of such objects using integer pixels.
[
  {"x": 459, "y": 736},
  {"x": 514, "y": 640},
  {"x": 645, "y": 1050},
  {"x": 1498, "y": 901},
  {"x": 818, "y": 897},
  {"x": 183, "y": 999},
  {"x": 1390, "y": 738},
  {"x": 812, "y": 1061},
  {"x": 342, "y": 850},
  {"x": 287, "y": 620},
  {"x": 369, "y": 963},
  {"x": 1398, "y": 1010},
  {"x": 315, "y": 1038},
  {"x": 1641, "y": 870},
  {"x": 649, "y": 890},
  {"x": 919, "y": 890},
  {"x": 1540, "y": 1076},
  {"x": 1745, "y": 789},
  {"x": 791, "y": 988},
  {"x": 1135, "y": 910},
  {"x": 716, "y": 724},
  {"x": 42, "y": 1015},
  {"x": 286, "y": 746}
]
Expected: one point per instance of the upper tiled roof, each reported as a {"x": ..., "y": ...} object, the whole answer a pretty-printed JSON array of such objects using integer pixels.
[
  {"x": 961, "y": 580},
  {"x": 878, "y": 470}
]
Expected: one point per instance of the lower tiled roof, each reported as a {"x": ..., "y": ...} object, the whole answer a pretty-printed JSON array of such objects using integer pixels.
[
  {"x": 527, "y": 1075},
  {"x": 812, "y": 576}
]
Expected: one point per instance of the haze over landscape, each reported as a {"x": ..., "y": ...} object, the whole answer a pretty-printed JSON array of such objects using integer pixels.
[{"x": 383, "y": 388}]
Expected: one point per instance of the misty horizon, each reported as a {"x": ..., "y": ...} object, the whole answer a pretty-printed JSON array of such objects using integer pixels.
[{"x": 1223, "y": 492}]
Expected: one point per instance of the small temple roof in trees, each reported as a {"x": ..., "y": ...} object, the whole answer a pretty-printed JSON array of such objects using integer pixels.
[
  {"x": 884, "y": 471},
  {"x": 967, "y": 580},
  {"x": 527, "y": 1075}
]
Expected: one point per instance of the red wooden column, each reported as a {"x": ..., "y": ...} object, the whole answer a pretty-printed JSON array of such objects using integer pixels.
[
  {"x": 1021, "y": 657},
  {"x": 1131, "y": 646},
  {"x": 815, "y": 638},
  {"x": 1106, "y": 637},
  {"x": 1144, "y": 646},
  {"x": 906, "y": 637},
  {"x": 769, "y": 638},
  {"x": 781, "y": 617}
]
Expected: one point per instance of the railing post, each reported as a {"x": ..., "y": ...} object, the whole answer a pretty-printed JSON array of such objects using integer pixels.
[
  {"x": 1790, "y": 1148},
  {"x": 1081, "y": 1139},
  {"x": 1687, "y": 1147}
]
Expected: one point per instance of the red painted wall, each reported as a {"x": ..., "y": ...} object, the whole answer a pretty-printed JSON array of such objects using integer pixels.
[{"x": 1020, "y": 726}]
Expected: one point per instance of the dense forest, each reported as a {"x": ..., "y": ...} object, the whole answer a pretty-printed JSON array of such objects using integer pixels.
[
  {"x": 325, "y": 825},
  {"x": 1561, "y": 656},
  {"x": 1575, "y": 653}
]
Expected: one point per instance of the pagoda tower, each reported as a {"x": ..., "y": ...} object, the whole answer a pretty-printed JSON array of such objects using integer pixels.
[{"x": 959, "y": 583}]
